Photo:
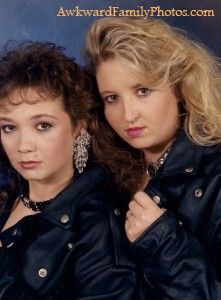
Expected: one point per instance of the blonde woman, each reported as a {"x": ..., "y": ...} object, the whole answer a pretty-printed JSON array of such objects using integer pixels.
[{"x": 160, "y": 121}]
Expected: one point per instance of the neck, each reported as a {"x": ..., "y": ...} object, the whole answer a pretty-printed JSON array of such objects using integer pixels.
[
  {"x": 152, "y": 155},
  {"x": 42, "y": 190}
]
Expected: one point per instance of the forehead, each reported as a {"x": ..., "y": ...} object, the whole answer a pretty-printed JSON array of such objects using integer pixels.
[
  {"x": 29, "y": 97},
  {"x": 122, "y": 72}
]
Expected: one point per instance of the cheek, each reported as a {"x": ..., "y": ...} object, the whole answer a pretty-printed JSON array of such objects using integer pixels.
[
  {"x": 112, "y": 116},
  {"x": 9, "y": 146},
  {"x": 57, "y": 141},
  {"x": 57, "y": 148},
  {"x": 167, "y": 112},
  {"x": 172, "y": 112}
]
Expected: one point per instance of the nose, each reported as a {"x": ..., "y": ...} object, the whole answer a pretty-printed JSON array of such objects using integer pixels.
[
  {"x": 26, "y": 143},
  {"x": 131, "y": 111}
]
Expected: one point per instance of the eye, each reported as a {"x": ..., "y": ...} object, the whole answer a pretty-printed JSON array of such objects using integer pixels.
[
  {"x": 143, "y": 91},
  {"x": 110, "y": 98},
  {"x": 43, "y": 126},
  {"x": 8, "y": 128}
]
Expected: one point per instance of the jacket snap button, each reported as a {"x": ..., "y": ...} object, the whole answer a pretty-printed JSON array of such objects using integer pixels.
[
  {"x": 42, "y": 273},
  {"x": 117, "y": 212},
  {"x": 64, "y": 219},
  {"x": 14, "y": 232},
  {"x": 70, "y": 245},
  {"x": 189, "y": 170},
  {"x": 156, "y": 199},
  {"x": 198, "y": 193}
]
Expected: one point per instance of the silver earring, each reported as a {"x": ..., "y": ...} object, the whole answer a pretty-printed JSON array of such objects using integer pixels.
[{"x": 81, "y": 146}]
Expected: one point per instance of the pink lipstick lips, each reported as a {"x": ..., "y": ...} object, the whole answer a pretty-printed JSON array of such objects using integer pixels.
[
  {"x": 135, "y": 132},
  {"x": 29, "y": 164}
]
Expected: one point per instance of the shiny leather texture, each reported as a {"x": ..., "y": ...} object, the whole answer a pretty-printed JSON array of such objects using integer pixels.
[
  {"x": 180, "y": 253},
  {"x": 74, "y": 249}
]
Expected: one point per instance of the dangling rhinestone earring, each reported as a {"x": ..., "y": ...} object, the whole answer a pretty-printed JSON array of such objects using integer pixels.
[{"x": 81, "y": 146}]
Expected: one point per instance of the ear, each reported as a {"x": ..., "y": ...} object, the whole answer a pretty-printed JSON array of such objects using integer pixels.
[{"x": 78, "y": 128}]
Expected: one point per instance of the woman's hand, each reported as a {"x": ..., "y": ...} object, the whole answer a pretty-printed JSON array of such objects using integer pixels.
[{"x": 142, "y": 212}]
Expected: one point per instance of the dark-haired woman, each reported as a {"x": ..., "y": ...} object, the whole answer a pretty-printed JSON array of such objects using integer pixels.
[{"x": 60, "y": 230}]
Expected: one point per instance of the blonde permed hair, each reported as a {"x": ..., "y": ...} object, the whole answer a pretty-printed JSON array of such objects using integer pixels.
[{"x": 164, "y": 55}]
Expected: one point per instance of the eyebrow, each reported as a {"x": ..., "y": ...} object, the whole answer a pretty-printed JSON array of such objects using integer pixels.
[
  {"x": 134, "y": 87},
  {"x": 5, "y": 119},
  {"x": 106, "y": 92},
  {"x": 137, "y": 86},
  {"x": 43, "y": 115},
  {"x": 33, "y": 117}
]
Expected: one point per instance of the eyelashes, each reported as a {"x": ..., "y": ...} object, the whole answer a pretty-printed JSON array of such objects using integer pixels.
[
  {"x": 40, "y": 126},
  {"x": 110, "y": 98},
  {"x": 7, "y": 128},
  {"x": 140, "y": 92},
  {"x": 43, "y": 126},
  {"x": 143, "y": 91}
]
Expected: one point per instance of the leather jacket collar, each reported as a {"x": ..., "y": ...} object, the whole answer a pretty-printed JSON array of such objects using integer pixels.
[
  {"x": 62, "y": 209},
  {"x": 184, "y": 157}
]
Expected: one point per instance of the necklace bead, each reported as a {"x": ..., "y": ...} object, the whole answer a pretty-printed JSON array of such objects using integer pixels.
[
  {"x": 36, "y": 206},
  {"x": 152, "y": 168}
]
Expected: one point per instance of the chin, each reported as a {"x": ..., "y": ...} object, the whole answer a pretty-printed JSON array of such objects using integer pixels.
[
  {"x": 31, "y": 178},
  {"x": 138, "y": 146}
]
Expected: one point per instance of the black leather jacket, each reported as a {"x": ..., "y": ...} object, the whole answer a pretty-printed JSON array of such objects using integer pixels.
[
  {"x": 74, "y": 249},
  {"x": 181, "y": 252}
]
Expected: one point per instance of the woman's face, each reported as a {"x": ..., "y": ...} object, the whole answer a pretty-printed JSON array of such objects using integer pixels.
[
  {"x": 144, "y": 118},
  {"x": 38, "y": 138}
]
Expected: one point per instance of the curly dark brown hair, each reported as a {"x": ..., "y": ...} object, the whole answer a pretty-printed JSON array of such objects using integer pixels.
[
  {"x": 44, "y": 67},
  {"x": 124, "y": 163}
]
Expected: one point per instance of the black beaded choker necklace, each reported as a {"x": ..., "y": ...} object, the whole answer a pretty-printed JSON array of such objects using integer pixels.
[{"x": 34, "y": 205}]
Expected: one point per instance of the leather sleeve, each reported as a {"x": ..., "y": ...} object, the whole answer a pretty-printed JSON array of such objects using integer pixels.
[
  {"x": 103, "y": 268},
  {"x": 176, "y": 263},
  {"x": 11, "y": 284}
]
